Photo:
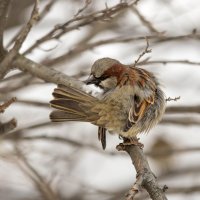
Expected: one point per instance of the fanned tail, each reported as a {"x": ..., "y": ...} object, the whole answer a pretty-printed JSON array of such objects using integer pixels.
[
  {"x": 71, "y": 104},
  {"x": 75, "y": 105}
]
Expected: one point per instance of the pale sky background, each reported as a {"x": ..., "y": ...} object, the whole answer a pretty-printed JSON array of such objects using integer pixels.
[{"x": 98, "y": 169}]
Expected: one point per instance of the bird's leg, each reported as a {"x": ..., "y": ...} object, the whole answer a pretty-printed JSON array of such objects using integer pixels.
[{"x": 128, "y": 142}]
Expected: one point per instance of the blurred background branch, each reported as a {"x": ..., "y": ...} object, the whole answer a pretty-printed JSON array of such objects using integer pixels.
[{"x": 65, "y": 161}]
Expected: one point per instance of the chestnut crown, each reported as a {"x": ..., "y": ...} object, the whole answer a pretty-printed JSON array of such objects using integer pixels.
[
  {"x": 103, "y": 73},
  {"x": 102, "y": 65}
]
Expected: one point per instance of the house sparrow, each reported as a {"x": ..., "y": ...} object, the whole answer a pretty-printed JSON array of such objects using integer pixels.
[{"x": 132, "y": 101}]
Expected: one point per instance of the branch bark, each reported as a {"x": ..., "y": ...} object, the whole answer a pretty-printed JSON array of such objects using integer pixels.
[
  {"x": 45, "y": 73},
  {"x": 145, "y": 176}
]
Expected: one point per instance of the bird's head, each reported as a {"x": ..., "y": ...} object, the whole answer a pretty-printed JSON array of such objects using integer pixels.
[{"x": 105, "y": 73}]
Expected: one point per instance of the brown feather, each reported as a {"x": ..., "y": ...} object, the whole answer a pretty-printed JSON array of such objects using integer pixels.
[
  {"x": 102, "y": 136},
  {"x": 150, "y": 99},
  {"x": 71, "y": 103},
  {"x": 71, "y": 106},
  {"x": 136, "y": 113},
  {"x": 60, "y": 116}
]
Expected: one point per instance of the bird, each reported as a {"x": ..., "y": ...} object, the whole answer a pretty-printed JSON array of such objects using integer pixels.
[{"x": 132, "y": 101}]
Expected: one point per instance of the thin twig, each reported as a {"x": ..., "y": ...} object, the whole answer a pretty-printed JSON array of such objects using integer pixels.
[
  {"x": 75, "y": 51},
  {"x": 46, "y": 10},
  {"x": 86, "y": 4},
  {"x": 83, "y": 47},
  {"x": 70, "y": 25},
  {"x": 146, "y": 50},
  {"x": 40, "y": 17},
  {"x": 146, "y": 23},
  {"x": 173, "y": 99},
  {"x": 5, "y": 105},
  {"x": 33, "y": 103},
  {"x": 7, "y": 126}
]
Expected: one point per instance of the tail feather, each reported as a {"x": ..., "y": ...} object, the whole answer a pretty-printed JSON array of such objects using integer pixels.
[
  {"x": 102, "y": 136},
  {"x": 72, "y": 104},
  {"x": 61, "y": 94},
  {"x": 69, "y": 92},
  {"x": 60, "y": 116},
  {"x": 75, "y": 105}
]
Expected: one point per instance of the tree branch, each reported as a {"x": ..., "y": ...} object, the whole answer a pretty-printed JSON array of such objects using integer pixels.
[
  {"x": 7, "y": 126},
  {"x": 6, "y": 62},
  {"x": 183, "y": 109},
  {"x": 45, "y": 73},
  {"x": 42, "y": 14},
  {"x": 114, "y": 40},
  {"x": 145, "y": 176},
  {"x": 80, "y": 21}
]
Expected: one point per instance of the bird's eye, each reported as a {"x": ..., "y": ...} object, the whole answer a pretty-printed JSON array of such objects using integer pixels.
[
  {"x": 95, "y": 80},
  {"x": 103, "y": 77}
]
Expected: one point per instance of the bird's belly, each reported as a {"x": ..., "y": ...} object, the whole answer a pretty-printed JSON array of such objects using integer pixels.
[{"x": 114, "y": 109}]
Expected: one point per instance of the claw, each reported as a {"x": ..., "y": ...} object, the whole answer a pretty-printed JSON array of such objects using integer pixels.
[{"x": 128, "y": 142}]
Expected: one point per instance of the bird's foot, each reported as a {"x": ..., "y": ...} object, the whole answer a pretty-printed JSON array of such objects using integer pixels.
[{"x": 128, "y": 142}]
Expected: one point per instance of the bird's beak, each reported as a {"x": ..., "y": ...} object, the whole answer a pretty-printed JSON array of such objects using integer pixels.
[{"x": 92, "y": 80}]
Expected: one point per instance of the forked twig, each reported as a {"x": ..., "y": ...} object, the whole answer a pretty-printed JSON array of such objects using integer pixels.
[
  {"x": 87, "y": 3},
  {"x": 146, "y": 50}
]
